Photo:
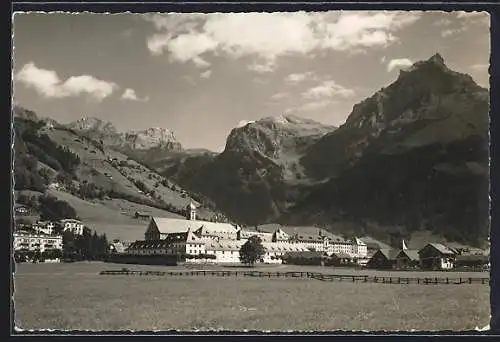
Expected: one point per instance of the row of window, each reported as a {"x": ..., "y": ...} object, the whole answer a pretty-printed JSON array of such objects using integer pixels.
[{"x": 37, "y": 241}]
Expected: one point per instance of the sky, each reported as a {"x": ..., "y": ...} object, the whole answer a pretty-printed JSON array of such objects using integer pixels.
[{"x": 201, "y": 75}]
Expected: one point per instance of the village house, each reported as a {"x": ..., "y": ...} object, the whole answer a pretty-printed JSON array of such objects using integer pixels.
[
  {"x": 72, "y": 225},
  {"x": 276, "y": 250},
  {"x": 373, "y": 245},
  {"x": 116, "y": 247},
  {"x": 21, "y": 209},
  {"x": 141, "y": 215},
  {"x": 383, "y": 259},
  {"x": 475, "y": 261},
  {"x": 225, "y": 251},
  {"x": 407, "y": 259},
  {"x": 341, "y": 259},
  {"x": 311, "y": 242},
  {"x": 359, "y": 250},
  {"x": 26, "y": 241},
  {"x": 185, "y": 245},
  {"x": 435, "y": 256},
  {"x": 56, "y": 186},
  {"x": 43, "y": 227},
  {"x": 149, "y": 247},
  {"x": 341, "y": 245}
]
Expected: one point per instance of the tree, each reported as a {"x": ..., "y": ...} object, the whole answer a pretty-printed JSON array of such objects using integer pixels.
[
  {"x": 252, "y": 251},
  {"x": 53, "y": 209}
]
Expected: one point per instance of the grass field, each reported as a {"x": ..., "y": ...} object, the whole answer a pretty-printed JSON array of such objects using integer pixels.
[{"x": 74, "y": 296}]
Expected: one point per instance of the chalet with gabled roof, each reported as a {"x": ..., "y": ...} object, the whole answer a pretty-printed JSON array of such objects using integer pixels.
[
  {"x": 407, "y": 259},
  {"x": 436, "y": 256},
  {"x": 383, "y": 259}
]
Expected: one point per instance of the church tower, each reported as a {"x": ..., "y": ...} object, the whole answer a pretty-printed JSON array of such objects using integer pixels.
[
  {"x": 191, "y": 211},
  {"x": 404, "y": 246}
]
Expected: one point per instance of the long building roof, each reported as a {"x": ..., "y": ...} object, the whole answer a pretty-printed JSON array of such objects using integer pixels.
[
  {"x": 171, "y": 225},
  {"x": 283, "y": 247},
  {"x": 412, "y": 254},
  {"x": 223, "y": 245},
  {"x": 441, "y": 248}
]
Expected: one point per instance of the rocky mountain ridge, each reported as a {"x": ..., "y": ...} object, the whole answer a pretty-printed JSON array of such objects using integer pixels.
[
  {"x": 259, "y": 166},
  {"x": 105, "y": 131}
]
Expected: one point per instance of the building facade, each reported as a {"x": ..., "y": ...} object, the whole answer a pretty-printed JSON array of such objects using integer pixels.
[
  {"x": 35, "y": 242},
  {"x": 435, "y": 256},
  {"x": 359, "y": 249},
  {"x": 244, "y": 235},
  {"x": 72, "y": 225},
  {"x": 407, "y": 259},
  {"x": 383, "y": 259},
  {"x": 44, "y": 227}
]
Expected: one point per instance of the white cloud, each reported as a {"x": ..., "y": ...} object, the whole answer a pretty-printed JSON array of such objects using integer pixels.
[
  {"x": 262, "y": 68},
  {"x": 474, "y": 17},
  {"x": 398, "y": 63},
  {"x": 279, "y": 96},
  {"x": 315, "y": 105},
  {"x": 326, "y": 90},
  {"x": 461, "y": 22},
  {"x": 443, "y": 22},
  {"x": 243, "y": 123},
  {"x": 130, "y": 94},
  {"x": 48, "y": 84},
  {"x": 298, "y": 77},
  {"x": 475, "y": 14},
  {"x": 206, "y": 74},
  {"x": 188, "y": 37},
  {"x": 451, "y": 32}
]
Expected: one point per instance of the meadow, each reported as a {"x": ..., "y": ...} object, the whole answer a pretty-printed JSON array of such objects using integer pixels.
[{"x": 74, "y": 296}]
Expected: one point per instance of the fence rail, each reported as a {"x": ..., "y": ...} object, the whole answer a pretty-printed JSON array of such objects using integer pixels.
[{"x": 310, "y": 275}]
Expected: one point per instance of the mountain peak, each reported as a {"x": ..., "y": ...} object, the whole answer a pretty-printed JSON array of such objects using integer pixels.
[
  {"x": 437, "y": 59},
  {"x": 429, "y": 81},
  {"x": 90, "y": 123},
  {"x": 272, "y": 134},
  {"x": 99, "y": 129},
  {"x": 436, "y": 62},
  {"x": 24, "y": 113}
]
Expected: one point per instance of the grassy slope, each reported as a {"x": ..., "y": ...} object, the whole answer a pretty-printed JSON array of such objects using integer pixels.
[
  {"x": 113, "y": 217},
  {"x": 92, "y": 158},
  {"x": 76, "y": 297}
]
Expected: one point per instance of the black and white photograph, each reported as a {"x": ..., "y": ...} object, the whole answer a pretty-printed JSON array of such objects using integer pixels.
[{"x": 251, "y": 171}]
